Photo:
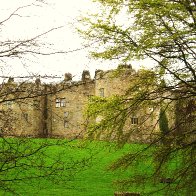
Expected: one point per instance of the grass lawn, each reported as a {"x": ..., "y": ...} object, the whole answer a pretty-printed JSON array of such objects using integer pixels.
[{"x": 91, "y": 177}]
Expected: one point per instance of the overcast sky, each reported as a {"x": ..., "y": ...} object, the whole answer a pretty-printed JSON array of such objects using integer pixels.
[{"x": 36, "y": 20}]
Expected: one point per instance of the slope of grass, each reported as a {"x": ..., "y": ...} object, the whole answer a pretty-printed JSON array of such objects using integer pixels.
[{"x": 86, "y": 171}]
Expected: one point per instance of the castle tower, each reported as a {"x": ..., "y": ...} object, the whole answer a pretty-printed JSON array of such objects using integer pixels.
[{"x": 113, "y": 82}]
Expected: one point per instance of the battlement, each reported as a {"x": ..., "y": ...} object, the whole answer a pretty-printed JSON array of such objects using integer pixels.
[{"x": 68, "y": 78}]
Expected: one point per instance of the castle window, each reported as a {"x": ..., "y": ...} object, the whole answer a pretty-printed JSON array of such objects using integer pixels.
[
  {"x": 66, "y": 123},
  {"x": 66, "y": 114},
  {"x": 134, "y": 121},
  {"x": 58, "y": 103},
  {"x": 63, "y": 102},
  {"x": 101, "y": 92}
]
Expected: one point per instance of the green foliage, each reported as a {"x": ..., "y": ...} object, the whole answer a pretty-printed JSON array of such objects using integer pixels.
[
  {"x": 109, "y": 117},
  {"x": 101, "y": 113},
  {"x": 163, "y": 122},
  {"x": 163, "y": 31}
]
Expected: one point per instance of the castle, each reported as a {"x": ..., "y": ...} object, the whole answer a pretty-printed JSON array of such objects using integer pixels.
[{"x": 57, "y": 110}]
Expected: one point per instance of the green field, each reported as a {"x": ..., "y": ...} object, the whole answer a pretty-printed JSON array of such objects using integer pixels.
[{"x": 89, "y": 176}]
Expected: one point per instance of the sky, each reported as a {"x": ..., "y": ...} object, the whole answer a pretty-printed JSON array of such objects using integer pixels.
[
  {"x": 38, "y": 19},
  {"x": 34, "y": 20}
]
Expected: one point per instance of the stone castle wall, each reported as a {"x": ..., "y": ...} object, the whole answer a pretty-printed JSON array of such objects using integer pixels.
[
  {"x": 56, "y": 110},
  {"x": 21, "y": 109}
]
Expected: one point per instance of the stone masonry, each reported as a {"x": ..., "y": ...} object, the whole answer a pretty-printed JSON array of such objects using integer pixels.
[{"x": 56, "y": 110}]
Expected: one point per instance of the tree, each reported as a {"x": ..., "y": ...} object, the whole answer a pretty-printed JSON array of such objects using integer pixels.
[
  {"x": 25, "y": 159},
  {"x": 163, "y": 123},
  {"x": 163, "y": 31}
]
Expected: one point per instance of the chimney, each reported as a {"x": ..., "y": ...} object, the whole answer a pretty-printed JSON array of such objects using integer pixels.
[
  {"x": 86, "y": 76},
  {"x": 67, "y": 77},
  {"x": 98, "y": 74},
  {"x": 10, "y": 80},
  {"x": 37, "y": 82}
]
